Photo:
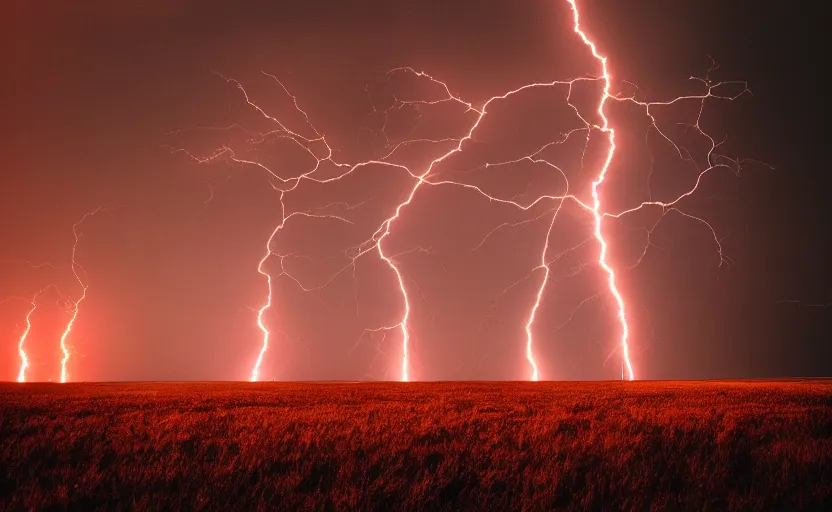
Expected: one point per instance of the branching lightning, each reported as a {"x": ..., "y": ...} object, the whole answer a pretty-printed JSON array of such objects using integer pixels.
[
  {"x": 590, "y": 201},
  {"x": 596, "y": 199},
  {"x": 34, "y": 302},
  {"x": 82, "y": 280}
]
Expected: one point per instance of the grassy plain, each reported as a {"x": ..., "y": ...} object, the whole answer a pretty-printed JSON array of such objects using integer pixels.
[{"x": 735, "y": 445}]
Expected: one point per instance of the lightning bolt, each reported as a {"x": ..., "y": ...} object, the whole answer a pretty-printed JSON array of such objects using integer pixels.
[
  {"x": 34, "y": 304},
  {"x": 255, "y": 371},
  {"x": 21, "y": 350},
  {"x": 84, "y": 286},
  {"x": 596, "y": 198},
  {"x": 24, "y": 361},
  {"x": 321, "y": 153},
  {"x": 377, "y": 238}
]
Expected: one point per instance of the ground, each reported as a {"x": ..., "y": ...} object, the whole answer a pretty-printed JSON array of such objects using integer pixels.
[{"x": 733, "y": 445}]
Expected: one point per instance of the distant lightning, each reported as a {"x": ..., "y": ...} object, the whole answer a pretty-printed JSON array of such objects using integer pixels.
[
  {"x": 84, "y": 286},
  {"x": 34, "y": 303},
  {"x": 24, "y": 361},
  {"x": 21, "y": 344},
  {"x": 255, "y": 371},
  {"x": 590, "y": 201}
]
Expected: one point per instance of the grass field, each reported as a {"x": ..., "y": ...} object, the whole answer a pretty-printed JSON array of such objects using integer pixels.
[{"x": 733, "y": 445}]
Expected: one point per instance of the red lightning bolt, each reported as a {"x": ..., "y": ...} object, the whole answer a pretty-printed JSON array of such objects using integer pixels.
[
  {"x": 384, "y": 230},
  {"x": 596, "y": 199},
  {"x": 318, "y": 148},
  {"x": 24, "y": 360},
  {"x": 34, "y": 304},
  {"x": 255, "y": 372},
  {"x": 714, "y": 160},
  {"x": 76, "y": 267}
]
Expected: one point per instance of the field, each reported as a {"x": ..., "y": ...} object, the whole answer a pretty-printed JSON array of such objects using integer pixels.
[{"x": 735, "y": 445}]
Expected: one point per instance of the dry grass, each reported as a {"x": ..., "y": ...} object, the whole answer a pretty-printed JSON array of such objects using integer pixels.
[{"x": 481, "y": 446}]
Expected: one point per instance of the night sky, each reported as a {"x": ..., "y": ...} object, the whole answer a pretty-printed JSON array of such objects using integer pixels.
[{"x": 94, "y": 96}]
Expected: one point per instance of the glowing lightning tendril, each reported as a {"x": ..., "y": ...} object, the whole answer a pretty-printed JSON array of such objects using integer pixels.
[
  {"x": 596, "y": 200},
  {"x": 21, "y": 350},
  {"x": 24, "y": 361},
  {"x": 75, "y": 305},
  {"x": 255, "y": 372}
]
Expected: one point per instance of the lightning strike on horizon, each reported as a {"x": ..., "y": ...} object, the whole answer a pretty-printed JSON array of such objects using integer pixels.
[
  {"x": 319, "y": 149},
  {"x": 596, "y": 199},
  {"x": 34, "y": 304},
  {"x": 255, "y": 371},
  {"x": 24, "y": 361},
  {"x": 76, "y": 304},
  {"x": 21, "y": 350},
  {"x": 384, "y": 230}
]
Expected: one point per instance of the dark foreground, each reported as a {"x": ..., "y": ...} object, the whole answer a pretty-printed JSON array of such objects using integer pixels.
[{"x": 479, "y": 446}]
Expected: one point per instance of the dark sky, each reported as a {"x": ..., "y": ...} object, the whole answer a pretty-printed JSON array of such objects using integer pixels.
[{"x": 91, "y": 93}]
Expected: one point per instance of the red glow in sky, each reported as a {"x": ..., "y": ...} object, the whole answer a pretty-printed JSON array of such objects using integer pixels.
[
  {"x": 319, "y": 150},
  {"x": 386, "y": 193}
]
